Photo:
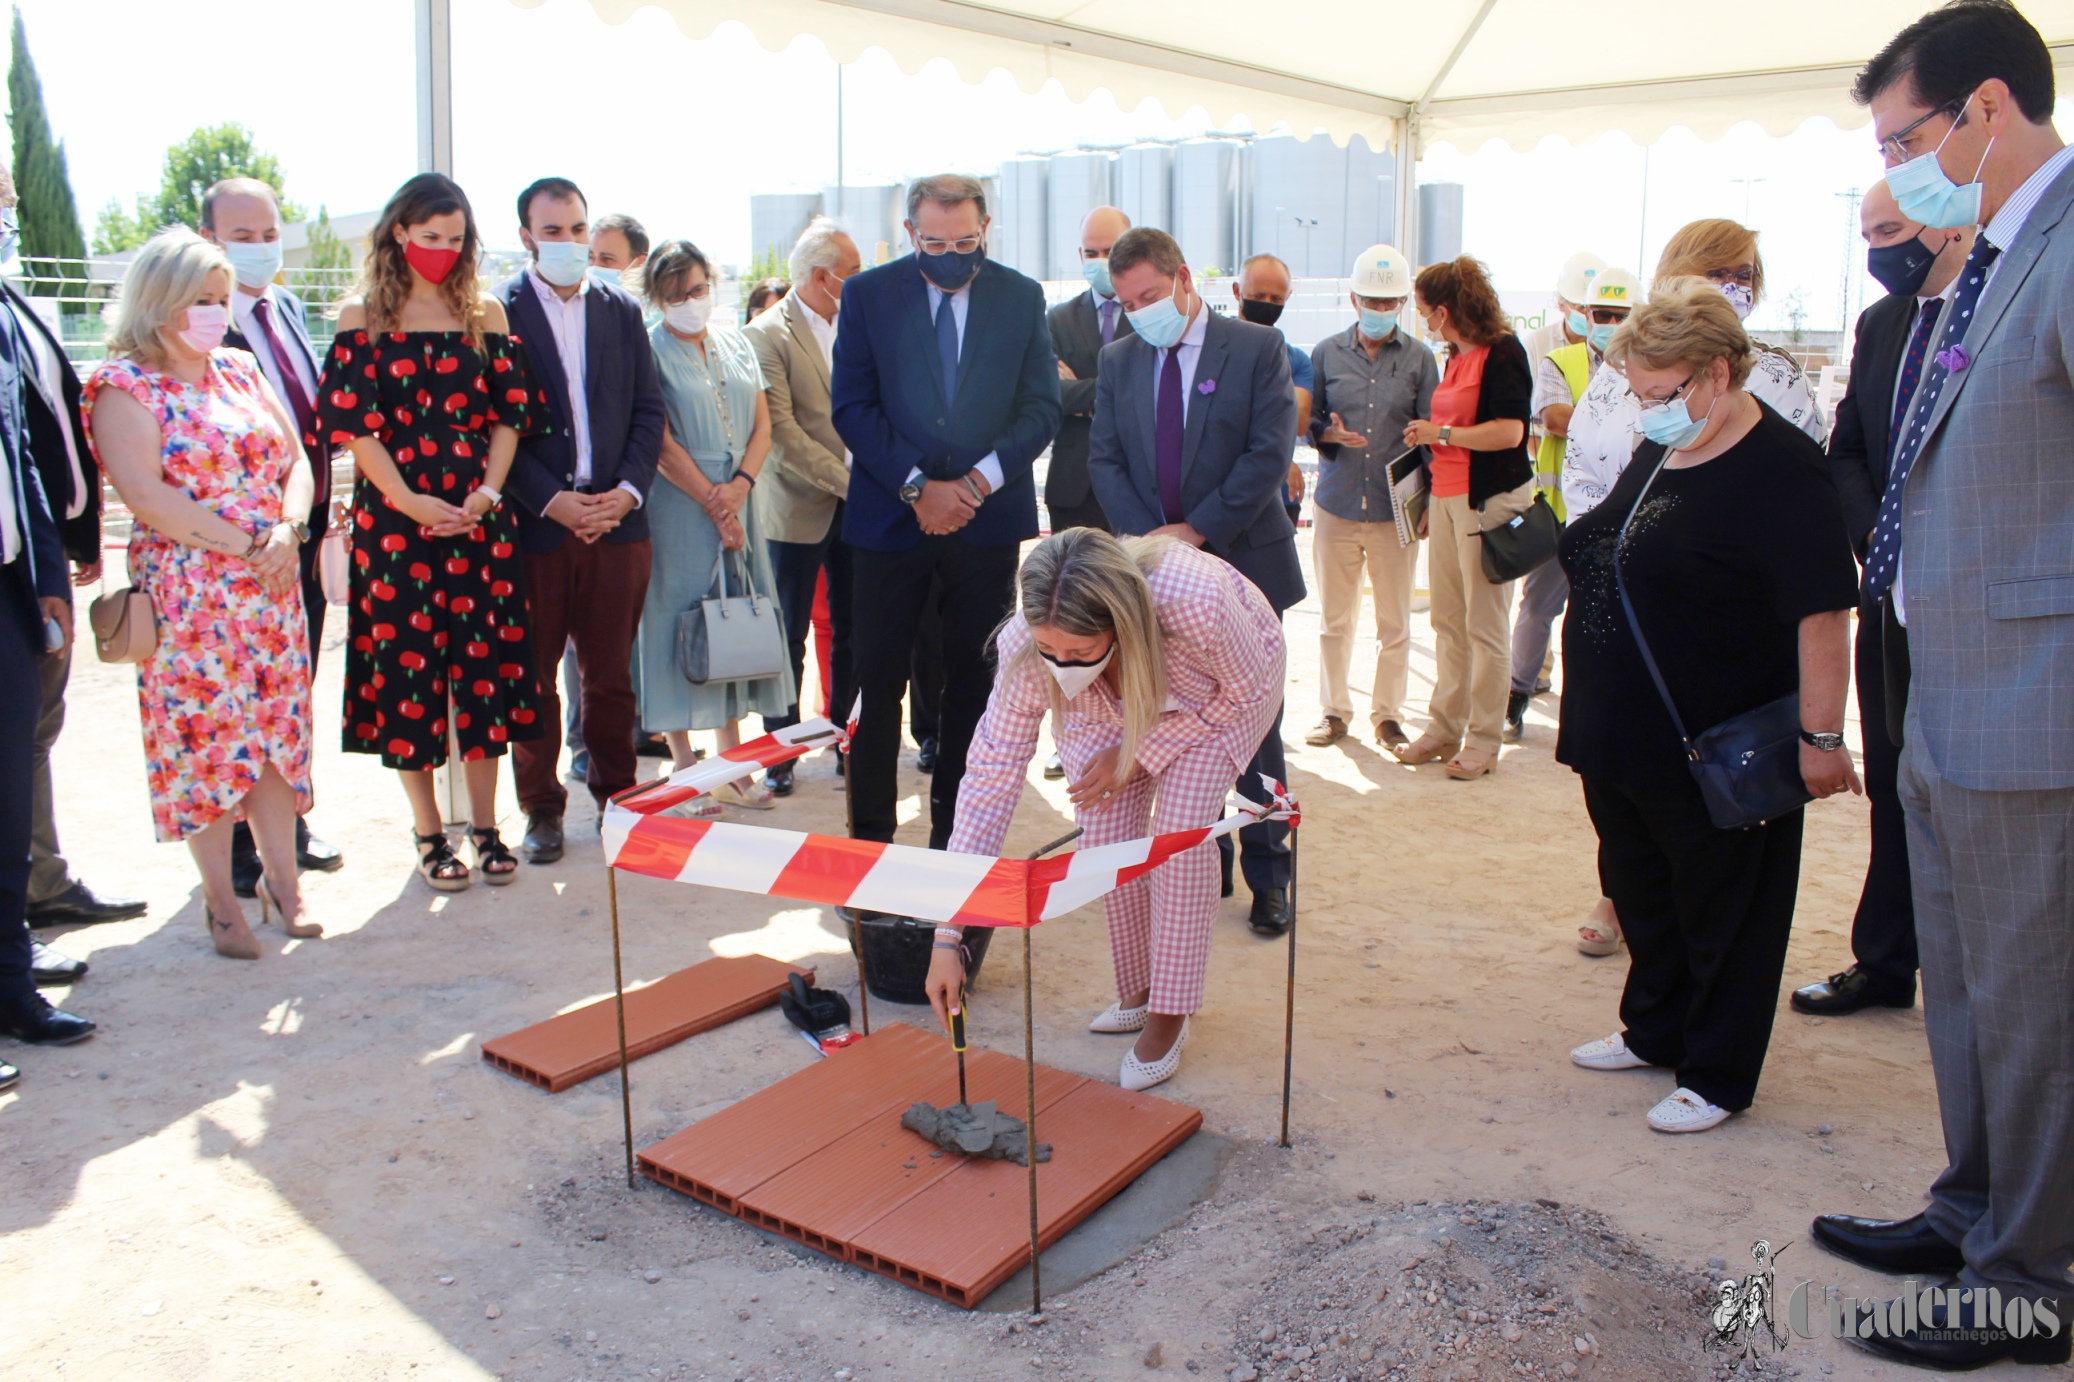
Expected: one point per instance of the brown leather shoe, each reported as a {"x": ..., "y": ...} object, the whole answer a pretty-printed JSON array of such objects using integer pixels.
[{"x": 1391, "y": 735}]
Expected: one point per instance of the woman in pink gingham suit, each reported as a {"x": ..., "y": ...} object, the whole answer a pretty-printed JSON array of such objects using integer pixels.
[{"x": 1162, "y": 668}]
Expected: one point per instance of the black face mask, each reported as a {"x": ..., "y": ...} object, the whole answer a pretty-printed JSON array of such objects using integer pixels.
[
  {"x": 1902, "y": 269},
  {"x": 1260, "y": 313},
  {"x": 951, "y": 270}
]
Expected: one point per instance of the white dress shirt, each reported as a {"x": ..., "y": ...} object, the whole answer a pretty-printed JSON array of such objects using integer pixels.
[
  {"x": 961, "y": 302},
  {"x": 1190, "y": 349},
  {"x": 824, "y": 336},
  {"x": 568, "y": 320},
  {"x": 50, "y": 374},
  {"x": 243, "y": 312}
]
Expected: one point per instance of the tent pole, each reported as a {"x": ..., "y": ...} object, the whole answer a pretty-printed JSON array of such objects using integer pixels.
[
  {"x": 619, "y": 1004},
  {"x": 434, "y": 41},
  {"x": 1289, "y": 1006}
]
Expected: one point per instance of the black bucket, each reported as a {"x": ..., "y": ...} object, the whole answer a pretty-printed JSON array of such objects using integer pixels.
[{"x": 897, "y": 950}]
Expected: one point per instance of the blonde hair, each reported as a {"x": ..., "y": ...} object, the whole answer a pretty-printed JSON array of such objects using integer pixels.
[
  {"x": 1685, "y": 322},
  {"x": 168, "y": 274},
  {"x": 1084, "y": 582},
  {"x": 1712, "y": 244},
  {"x": 385, "y": 276}
]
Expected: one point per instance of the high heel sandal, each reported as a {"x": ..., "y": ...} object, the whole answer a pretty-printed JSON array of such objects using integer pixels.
[
  {"x": 438, "y": 865},
  {"x": 497, "y": 864},
  {"x": 221, "y": 936},
  {"x": 270, "y": 909}
]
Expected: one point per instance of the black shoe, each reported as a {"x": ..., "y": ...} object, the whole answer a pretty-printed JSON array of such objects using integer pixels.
[
  {"x": 313, "y": 853},
  {"x": 1224, "y": 878},
  {"x": 543, "y": 842},
  {"x": 245, "y": 869},
  {"x": 36, "y": 1023},
  {"x": 78, "y": 906},
  {"x": 1842, "y": 994},
  {"x": 925, "y": 757},
  {"x": 1981, "y": 1341},
  {"x": 1898, "y": 1247},
  {"x": 779, "y": 779},
  {"x": 841, "y": 765},
  {"x": 9, "y": 1076},
  {"x": 1270, "y": 915},
  {"x": 1516, "y": 716},
  {"x": 1054, "y": 768},
  {"x": 651, "y": 746},
  {"x": 47, "y": 966}
]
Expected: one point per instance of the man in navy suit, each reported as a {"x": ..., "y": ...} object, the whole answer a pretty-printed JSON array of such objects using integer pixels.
[
  {"x": 35, "y": 622},
  {"x": 1193, "y": 419},
  {"x": 580, "y": 491},
  {"x": 945, "y": 390},
  {"x": 244, "y": 217}
]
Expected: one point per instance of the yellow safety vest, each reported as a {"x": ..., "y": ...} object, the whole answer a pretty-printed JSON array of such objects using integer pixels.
[{"x": 1575, "y": 362}]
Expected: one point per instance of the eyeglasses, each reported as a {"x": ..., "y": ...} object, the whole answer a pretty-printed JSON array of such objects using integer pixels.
[
  {"x": 1668, "y": 399},
  {"x": 965, "y": 246},
  {"x": 1741, "y": 273},
  {"x": 702, "y": 290},
  {"x": 1382, "y": 304},
  {"x": 1608, "y": 316},
  {"x": 1895, "y": 146}
]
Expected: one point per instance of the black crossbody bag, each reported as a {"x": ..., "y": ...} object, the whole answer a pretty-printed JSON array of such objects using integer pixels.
[{"x": 1748, "y": 766}]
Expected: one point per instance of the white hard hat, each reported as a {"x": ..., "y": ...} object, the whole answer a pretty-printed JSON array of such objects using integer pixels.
[
  {"x": 1613, "y": 288},
  {"x": 1380, "y": 272},
  {"x": 1576, "y": 278}
]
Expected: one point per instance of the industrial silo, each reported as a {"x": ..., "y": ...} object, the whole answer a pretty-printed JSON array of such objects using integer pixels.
[
  {"x": 1080, "y": 182},
  {"x": 1206, "y": 176},
  {"x": 777, "y": 218},
  {"x": 1019, "y": 238},
  {"x": 1145, "y": 184}
]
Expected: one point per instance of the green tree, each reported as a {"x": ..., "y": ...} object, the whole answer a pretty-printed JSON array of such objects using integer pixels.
[
  {"x": 326, "y": 250},
  {"x": 117, "y": 230},
  {"x": 767, "y": 263},
  {"x": 49, "y": 215},
  {"x": 206, "y": 157}
]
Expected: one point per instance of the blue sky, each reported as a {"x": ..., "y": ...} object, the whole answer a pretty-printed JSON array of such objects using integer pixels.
[{"x": 680, "y": 132}]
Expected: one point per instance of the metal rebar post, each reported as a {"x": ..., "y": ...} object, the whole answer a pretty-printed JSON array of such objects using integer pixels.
[
  {"x": 1289, "y": 1009},
  {"x": 619, "y": 1003}
]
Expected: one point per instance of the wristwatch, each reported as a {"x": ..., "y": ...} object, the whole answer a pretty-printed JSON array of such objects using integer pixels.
[
  {"x": 1445, "y": 433},
  {"x": 911, "y": 491},
  {"x": 301, "y": 531},
  {"x": 1827, "y": 742}
]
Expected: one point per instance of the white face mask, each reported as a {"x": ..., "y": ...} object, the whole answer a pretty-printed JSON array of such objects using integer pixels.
[
  {"x": 1075, "y": 677},
  {"x": 562, "y": 262},
  {"x": 689, "y": 316},
  {"x": 256, "y": 261}
]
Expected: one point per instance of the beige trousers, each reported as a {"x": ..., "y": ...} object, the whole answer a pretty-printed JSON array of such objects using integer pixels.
[
  {"x": 1472, "y": 621},
  {"x": 1340, "y": 549}
]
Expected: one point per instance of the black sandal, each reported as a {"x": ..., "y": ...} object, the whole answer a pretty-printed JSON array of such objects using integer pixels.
[
  {"x": 498, "y": 864},
  {"x": 438, "y": 865}
]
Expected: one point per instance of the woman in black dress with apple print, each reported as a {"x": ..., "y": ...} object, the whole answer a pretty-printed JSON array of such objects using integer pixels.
[{"x": 426, "y": 387}]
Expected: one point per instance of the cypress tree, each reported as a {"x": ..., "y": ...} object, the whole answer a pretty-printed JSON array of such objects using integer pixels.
[{"x": 49, "y": 217}]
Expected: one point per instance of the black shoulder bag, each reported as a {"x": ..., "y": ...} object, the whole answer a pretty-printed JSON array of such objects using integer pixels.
[
  {"x": 1748, "y": 766},
  {"x": 1517, "y": 546}
]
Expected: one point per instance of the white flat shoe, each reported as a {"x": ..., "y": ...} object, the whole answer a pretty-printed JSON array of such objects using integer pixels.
[
  {"x": 1139, "y": 1074},
  {"x": 1685, "y": 1111},
  {"x": 1117, "y": 1018},
  {"x": 1608, "y": 1053}
]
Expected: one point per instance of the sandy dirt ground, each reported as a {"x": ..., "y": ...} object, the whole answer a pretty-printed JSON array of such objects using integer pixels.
[{"x": 302, "y": 1167}]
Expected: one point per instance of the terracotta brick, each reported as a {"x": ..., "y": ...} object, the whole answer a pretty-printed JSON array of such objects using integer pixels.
[{"x": 571, "y": 1048}]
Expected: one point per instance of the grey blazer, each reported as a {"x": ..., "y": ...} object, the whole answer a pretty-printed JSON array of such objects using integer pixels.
[
  {"x": 1234, "y": 455},
  {"x": 798, "y": 491},
  {"x": 1076, "y": 338},
  {"x": 1987, "y": 536}
]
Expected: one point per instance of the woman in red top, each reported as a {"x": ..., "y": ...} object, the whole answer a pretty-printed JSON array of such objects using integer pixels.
[{"x": 1477, "y": 440}]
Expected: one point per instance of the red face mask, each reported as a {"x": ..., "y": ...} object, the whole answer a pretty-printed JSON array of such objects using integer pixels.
[{"x": 433, "y": 264}]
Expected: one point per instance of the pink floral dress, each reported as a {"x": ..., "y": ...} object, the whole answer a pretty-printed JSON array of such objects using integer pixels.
[{"x": 228, "y": 689}]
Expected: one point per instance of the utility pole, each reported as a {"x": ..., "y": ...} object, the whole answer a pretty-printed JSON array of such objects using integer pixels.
[
  {"x": 1642, "y": 231},
  {"x": 839, "y": 197},
  {"x": 1851, "y": 199}
]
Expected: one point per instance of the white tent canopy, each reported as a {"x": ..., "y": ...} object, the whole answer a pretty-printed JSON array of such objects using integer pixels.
[{"x": 1407, "y": 73}]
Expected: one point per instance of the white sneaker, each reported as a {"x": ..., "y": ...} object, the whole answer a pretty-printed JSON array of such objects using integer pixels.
[
  {"x": 1139, "y": 1074},
  {"x": 1685, "y": 1111},
  {"x": 1118, "y": 1018},
  {"x": 1608, "y": 1053}
]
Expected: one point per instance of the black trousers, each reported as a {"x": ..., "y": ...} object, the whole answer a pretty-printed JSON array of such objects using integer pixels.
[
  {"x": 890, "y": 591},
  {"x": 797, "y": 567},
  {"x": 1086, "y": 514},
  {"x": 1883, "y": 935},
  {"x": 242, "y": 849},
  {"x": 21, "y": 704},
  {"x": 1707, "y": 913},
  {"x": 925, "y": 671},
  {"x": 1263, "y": 848}
]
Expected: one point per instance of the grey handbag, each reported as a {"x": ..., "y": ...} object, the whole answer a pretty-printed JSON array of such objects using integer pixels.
[{"x": 731, "y": 637}]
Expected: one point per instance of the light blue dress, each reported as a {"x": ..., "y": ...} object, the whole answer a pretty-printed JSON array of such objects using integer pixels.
[{"x": 713, "y": 424}]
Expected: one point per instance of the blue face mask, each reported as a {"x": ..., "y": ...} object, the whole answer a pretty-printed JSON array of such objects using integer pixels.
[
  {"x": 561, "y": 262},
  {"x": 1578, "y": 325},
  {"x": 1672, "y": 425},
  {"x": 606, "y": 275},
  {"x": 255, "y": 262},
  {"x": 1601, "y": 336},
  {"x": 951, "y": 270},
  {"x": 1377, "y": 326},
  {"x": 1096, "y": 272},
  {"x": 1161, "y": 324},
  {"x": 1926, "y": 195}
]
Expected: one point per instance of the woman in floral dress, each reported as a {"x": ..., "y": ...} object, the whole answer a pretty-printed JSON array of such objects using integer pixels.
[
  {"x": 207, "y": 460},
  {"x": 429, "y": 391}
]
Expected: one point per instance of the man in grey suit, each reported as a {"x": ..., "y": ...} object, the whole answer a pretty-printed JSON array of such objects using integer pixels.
[
  {"x": 1193, "y": 418},
  {"x": 1080, "y": 327},
  {"x": 809, "y": 469},
  {"x": 1974, "y": 544}
]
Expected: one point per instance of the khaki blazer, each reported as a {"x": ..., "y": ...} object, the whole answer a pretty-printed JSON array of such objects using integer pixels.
[{"x": 805, "y": 476}]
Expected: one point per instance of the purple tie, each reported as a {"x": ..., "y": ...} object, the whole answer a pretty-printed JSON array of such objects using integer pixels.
[
  {"x": 1108, "y": 312},
  {"x": 1168, "y": 428},
  {"x": 300, "y": 405},
  {"x": 1911, "y": 374}
]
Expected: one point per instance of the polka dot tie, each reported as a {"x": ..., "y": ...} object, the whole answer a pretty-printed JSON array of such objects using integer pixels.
[{"x": 1883, "y": 557}]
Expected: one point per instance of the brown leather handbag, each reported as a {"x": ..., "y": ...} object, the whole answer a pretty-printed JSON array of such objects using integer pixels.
[{"x": 125, "y": 625}]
